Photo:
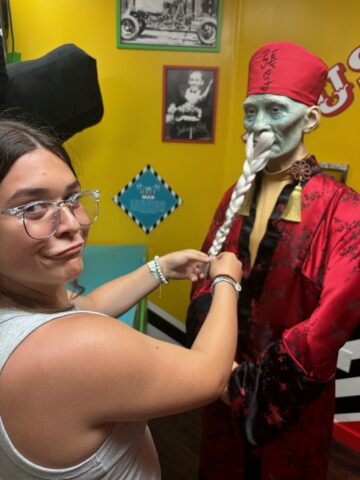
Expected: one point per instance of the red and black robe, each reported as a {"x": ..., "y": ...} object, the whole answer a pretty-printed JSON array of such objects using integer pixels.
[{"x": 300, "y": 302}]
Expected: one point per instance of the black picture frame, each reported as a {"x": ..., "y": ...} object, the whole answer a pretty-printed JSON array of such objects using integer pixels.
[{"x": 189, "y": 103}]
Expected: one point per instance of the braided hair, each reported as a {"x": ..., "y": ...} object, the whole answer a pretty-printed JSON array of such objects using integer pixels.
[{"x": 257, "y": 157}]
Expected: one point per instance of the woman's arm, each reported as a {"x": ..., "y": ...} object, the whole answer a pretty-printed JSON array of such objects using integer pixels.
[
  {"x": 104, "y": 371},
  {"x": 117, "y": 296}
]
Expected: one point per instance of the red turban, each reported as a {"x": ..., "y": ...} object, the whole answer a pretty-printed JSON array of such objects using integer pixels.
[{"x": 283, "y": 68}]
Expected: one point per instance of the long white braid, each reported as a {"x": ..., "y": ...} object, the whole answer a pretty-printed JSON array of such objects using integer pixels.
[{"x": 256, "y": 159}]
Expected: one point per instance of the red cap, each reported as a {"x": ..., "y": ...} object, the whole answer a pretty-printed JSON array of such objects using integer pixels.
[{"x": 283, "y": 68}]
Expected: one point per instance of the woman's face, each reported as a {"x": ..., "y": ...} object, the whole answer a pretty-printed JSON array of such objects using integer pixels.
[{"x": 39, "y": 265}]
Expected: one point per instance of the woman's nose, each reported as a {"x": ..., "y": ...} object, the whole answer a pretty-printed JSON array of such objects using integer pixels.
[{"x": 67, "y": 221}]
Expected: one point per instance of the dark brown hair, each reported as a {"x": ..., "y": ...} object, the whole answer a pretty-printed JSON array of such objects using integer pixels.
[{"x": 18, "y": 138}]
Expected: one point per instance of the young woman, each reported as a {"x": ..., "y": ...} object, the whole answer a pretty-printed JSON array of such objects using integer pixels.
[{"x": 77, "y": 386}]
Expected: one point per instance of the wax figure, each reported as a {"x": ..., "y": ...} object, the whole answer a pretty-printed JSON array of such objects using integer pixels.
[{"x": 297, "y": 232}]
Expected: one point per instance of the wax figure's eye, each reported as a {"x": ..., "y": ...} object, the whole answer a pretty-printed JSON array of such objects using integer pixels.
[
  {"x": 276, "y": 109},
  {"x": 250, "y": 112}
]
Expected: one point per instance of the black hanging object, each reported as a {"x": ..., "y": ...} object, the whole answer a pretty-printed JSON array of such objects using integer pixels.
[{"x": 60, "y": 88}]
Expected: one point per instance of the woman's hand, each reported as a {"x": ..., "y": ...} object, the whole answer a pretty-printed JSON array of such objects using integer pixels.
[
  {"x": 185, "y": 264},
  {"x": 225, "y": 397},
  {"x": 226, "y": 263}
]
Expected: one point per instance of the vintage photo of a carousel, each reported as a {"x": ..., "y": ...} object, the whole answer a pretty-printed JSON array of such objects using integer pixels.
[{"x": 173, "y": 24}]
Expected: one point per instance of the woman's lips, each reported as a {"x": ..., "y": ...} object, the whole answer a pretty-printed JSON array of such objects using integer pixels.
[{"x": 68, "y": 252}]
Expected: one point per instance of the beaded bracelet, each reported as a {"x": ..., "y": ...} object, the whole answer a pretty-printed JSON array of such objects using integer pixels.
[
  {"x": 163, "y": 279},
  {"x": 156, "y": 271},
  {"x": 152, "y": 268}
]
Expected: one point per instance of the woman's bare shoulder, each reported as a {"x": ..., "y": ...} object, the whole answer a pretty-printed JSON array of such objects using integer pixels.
[{"x": 53, "y": 350}]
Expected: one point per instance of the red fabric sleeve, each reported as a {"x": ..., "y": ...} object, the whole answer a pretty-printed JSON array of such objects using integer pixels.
[{"x": 314, "y": 343}]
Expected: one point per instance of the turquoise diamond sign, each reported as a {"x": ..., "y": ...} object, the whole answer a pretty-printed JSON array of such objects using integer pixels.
[{"x": 147, "y": 199}]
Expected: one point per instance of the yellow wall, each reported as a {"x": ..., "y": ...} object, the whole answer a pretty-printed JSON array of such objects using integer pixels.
[{"x": 109, "y": 154}]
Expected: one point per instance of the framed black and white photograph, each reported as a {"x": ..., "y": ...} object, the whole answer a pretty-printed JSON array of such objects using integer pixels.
[
  {"x": 189, "y": 103},
  {"x": 169, "y": 25}
]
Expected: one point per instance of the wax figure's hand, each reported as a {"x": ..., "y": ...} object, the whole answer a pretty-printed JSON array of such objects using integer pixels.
[
  {"x": 225, "y": 397},
  {"x": 185, "y": 264},
  {"x": 226, "y": 263}
]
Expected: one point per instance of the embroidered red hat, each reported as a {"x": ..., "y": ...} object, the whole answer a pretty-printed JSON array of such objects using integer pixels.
[{"x": 283, "y": 68}]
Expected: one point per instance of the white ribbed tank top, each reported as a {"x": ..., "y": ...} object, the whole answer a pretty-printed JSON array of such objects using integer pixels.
[{"x": 127, "y": 454}]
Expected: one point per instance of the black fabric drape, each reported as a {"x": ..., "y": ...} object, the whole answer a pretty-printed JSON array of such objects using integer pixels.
[{"x": 60, "y": 88}]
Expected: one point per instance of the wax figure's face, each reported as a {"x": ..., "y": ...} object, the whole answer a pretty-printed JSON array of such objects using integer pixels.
[
  {"x": 24, "y": 261},
  {"x": 284, "y": 117}
]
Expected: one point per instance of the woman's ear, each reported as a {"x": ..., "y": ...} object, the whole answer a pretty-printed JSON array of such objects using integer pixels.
[{"x": 312, "y": 119}]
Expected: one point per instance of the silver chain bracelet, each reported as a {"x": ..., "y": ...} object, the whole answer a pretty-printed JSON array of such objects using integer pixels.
[{"x": 224, "y": 278}]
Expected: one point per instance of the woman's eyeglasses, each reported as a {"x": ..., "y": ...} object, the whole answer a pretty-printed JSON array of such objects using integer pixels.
[{"x": 41, "y": 218}]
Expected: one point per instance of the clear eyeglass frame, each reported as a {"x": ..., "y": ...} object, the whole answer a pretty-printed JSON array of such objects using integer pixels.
[{"x": 69, "y": 202}]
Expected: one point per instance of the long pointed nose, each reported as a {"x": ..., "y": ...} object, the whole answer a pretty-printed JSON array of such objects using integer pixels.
[{"x": 261, "y": 123}]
